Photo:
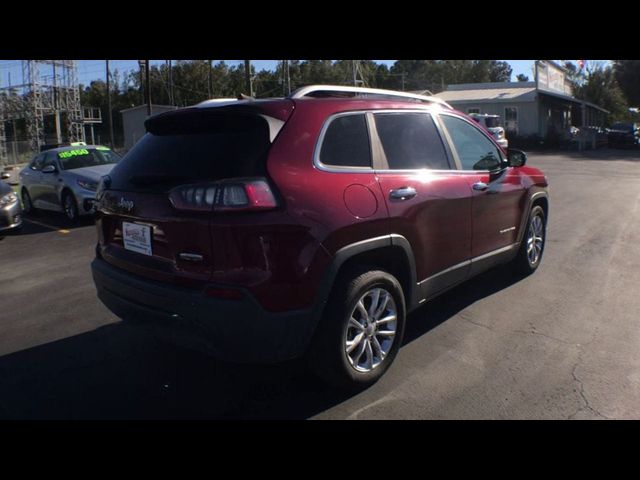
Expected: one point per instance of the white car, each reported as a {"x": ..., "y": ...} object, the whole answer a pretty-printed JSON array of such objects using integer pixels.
[{"x": 492, "y": 124}]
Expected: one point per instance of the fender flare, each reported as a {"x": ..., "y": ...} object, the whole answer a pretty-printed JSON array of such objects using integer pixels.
[
  {"x": 349, "y": 251},
  {"x": 525, "y": 217}
]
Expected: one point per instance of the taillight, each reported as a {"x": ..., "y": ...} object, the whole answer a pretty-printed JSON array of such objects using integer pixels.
[{"x": 249, "y": 194}]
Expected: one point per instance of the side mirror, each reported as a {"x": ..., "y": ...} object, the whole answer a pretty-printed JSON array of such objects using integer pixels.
[
  {"x": 49, "y": 169},
  {"x": 5, "y": 175},
  {"x": 517, "y": 158}
]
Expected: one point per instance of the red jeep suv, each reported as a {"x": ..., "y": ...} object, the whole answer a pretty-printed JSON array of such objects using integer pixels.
[{"x": 265, "y": 230}]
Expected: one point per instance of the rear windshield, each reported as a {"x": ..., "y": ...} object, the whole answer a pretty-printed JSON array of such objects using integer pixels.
[
  {"x": 492, "y": 122},
  {"x": 86, "y": 157},
  {"x": 194, "y": 150}
]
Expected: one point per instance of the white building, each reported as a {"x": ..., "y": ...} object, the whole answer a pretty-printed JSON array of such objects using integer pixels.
[{"x": 541, "y": 108}]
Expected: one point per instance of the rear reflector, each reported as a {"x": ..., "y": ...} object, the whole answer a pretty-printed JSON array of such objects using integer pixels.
[{"x": 223, "y": 196}]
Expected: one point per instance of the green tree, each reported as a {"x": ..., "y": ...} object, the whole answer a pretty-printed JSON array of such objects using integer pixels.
[
  {"x": 627, "y": 74},
  {"x": 601, "y": 88},
  {"x": 521, "y": 77}
]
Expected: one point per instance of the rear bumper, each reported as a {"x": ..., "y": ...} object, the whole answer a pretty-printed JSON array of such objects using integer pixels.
[{"x": 236, "y": 331}]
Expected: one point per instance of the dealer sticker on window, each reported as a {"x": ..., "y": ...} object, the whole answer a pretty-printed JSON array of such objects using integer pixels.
[{"x": 136, "y": 238}]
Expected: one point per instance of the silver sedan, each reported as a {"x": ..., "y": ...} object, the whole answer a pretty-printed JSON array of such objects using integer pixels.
[
  {"x": 65, "y": 179},
  {"x": 10, "y": 210}
]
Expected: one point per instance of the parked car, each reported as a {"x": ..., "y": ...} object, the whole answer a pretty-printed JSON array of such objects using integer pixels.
[
  {"x": 624, "y": 134},
  {"x": 264, "y": 230},
  {"x": 595, "y": 134},
  {"x": 493, "y": 124},
  {"x": 65, "y": 179},
  {"x": 10, "y": 208}
]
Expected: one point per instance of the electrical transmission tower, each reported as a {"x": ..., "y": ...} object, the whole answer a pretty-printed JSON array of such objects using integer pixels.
[
  {"x": 48, "y": 88},
  {"x": 358, "y": 78}
]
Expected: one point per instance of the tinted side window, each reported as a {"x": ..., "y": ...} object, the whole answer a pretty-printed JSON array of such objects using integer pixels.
[
  {"x": 346, "y": 142},
  {"x": 36, "y": 163},
  {"x": 411, "y": 141},
  {"x": 475, "y": 150},
  {"x": 49, "y": 159}
]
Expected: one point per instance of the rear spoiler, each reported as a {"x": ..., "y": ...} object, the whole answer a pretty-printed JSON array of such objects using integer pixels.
[{"x": 223, "y": 115}]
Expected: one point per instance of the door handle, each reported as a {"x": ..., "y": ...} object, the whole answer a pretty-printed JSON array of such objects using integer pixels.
[
  {"x": 481, "y": 186},
  {"x": 403, "y": 193}
]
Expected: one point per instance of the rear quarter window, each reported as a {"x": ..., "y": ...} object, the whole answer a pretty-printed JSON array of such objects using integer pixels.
[{"x": 346, "y": 142}]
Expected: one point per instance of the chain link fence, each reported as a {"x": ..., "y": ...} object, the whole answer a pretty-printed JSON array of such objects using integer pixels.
[{"x": 17, "y": 153}]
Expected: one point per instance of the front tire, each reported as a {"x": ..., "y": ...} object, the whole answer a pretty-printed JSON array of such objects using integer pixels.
[
  {"x": 361, "y": 331},
  {"x": 27, "y": 204},
  {"x": 532, "y": 247},
  {"x": 70, "y": 207}
]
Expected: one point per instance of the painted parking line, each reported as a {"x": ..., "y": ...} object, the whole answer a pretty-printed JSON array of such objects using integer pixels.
[{"x": 46, "y": 225}]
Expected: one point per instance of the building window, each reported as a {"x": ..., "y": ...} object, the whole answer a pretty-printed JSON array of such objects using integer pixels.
[{"x": 511, "y": 119}]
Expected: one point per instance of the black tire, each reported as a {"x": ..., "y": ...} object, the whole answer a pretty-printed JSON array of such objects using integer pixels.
[
  {"x": 27, "y": 204},
  {"x": 328, "y": 357},
  {"x": 70, "y": 207},
  {"x": 524, "y": 263}
]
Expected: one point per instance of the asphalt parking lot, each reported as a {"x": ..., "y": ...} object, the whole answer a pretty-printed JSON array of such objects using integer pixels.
[{"x": 560, "y": 344}]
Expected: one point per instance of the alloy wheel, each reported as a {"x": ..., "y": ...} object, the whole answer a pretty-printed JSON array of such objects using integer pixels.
[
  {"x": 535, "y": 239},
  {"x": 371, "y": 330},
  {"x": 69, "y": 207}
]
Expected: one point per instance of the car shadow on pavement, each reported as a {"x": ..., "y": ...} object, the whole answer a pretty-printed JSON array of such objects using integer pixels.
[
  {"x": 445, "y": 306},
  {"x": 118, "y": 372}
]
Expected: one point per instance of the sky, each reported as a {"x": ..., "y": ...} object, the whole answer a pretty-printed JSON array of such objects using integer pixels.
[{"x": 89, "y": 70}]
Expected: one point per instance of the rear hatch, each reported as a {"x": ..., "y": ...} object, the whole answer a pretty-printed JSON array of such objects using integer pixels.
[{"x": 156, "y": 206}]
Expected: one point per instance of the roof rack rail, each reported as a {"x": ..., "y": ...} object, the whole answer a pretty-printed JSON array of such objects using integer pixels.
[{"x": 308, "y": 90}]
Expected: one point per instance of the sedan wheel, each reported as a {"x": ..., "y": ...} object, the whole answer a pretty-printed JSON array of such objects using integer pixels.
[
  {"x": 27, "y": 206},
  {"x": 70, "y": 207}
]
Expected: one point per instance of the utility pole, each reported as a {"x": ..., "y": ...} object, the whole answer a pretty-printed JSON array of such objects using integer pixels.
[
  {"x": 210, "y": 84},
  {"x": 109, "y": 119},
  {"x": 56, "y": 112},
  {"x": 247, "y": 77},
  {"x": 355, "y": 74},
  {"x": 288, "y": 78},
  {"x": 142, "y": 93},
  {"x": 148, "y": 87},
  {"x": 171, "y": 98}
]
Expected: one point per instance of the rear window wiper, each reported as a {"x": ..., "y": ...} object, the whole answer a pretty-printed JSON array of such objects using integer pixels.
[{"x": 154, "y": 179}]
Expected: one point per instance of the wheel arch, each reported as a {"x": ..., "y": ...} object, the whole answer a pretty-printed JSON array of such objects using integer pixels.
[
  {"x": 391, "y": 253},
  {"x": 540, "y": 198}
]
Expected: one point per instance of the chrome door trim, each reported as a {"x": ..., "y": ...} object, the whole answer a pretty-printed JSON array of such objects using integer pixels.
[{"x": 473, "y": 260}]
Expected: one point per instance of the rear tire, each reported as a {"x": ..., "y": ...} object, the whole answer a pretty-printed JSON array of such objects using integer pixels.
[
  {"x": 361, "y": 330},
  {"x": 530, "y": 254}
]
